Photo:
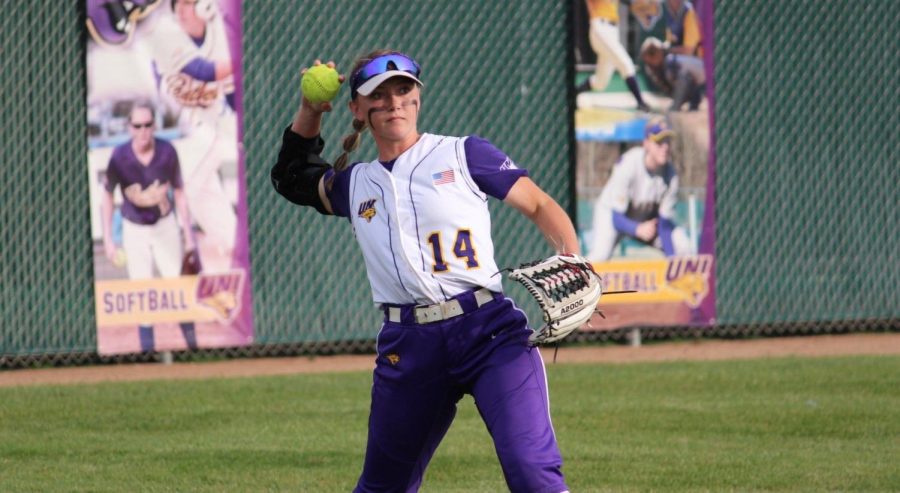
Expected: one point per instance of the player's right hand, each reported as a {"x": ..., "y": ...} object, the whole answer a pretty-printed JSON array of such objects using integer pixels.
[
  {"x": 647, "y": 230},
  {"x": 109, "y": 248},
  {"x": 319, "y": 107}
]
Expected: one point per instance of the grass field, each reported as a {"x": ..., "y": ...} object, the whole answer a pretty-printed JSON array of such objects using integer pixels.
[{"x": 774, "y": 425}]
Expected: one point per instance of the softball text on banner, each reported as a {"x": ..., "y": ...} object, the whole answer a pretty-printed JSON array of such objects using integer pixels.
[
  {"x": 645, "y": 160},
  {"x": 166, "y": 175}
]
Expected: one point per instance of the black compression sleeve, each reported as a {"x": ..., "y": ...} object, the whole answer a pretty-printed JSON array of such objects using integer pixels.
[{"x": 299, "y": 168}]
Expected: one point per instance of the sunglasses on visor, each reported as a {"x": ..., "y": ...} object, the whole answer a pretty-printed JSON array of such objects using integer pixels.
[{"x": 380, "y": 65}]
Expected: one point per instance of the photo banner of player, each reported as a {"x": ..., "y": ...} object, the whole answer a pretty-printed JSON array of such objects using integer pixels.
[
  {"x": 166, "y": 175},
  {"x": 645, "y": 165}
]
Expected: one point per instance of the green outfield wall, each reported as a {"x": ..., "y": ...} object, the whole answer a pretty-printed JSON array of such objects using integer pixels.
[{"x": 807, "y": 178}]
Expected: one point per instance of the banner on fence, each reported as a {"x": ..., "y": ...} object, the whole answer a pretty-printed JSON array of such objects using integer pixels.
[
  {"x": 645, "y": 170},
  {"x": 166, "y": 175}
]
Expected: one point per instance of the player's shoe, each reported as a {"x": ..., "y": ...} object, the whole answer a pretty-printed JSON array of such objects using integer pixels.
[{"x": 585, "y": 86}]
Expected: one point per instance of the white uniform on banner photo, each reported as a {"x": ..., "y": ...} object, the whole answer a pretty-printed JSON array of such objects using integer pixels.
[
  {"x": 192, "y": 61},
  {"x": 638, "y": 200}
]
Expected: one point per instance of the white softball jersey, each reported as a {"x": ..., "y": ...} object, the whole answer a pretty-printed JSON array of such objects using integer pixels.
[
  {"x": 202, "y": 102},
  {"x": 424, "y": 227},
  {"x": 638, "y": 193},
  {"x": 205, "y": 116}
]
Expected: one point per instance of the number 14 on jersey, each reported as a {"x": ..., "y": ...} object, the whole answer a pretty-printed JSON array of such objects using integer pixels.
[{"x": 462, "y": 248}]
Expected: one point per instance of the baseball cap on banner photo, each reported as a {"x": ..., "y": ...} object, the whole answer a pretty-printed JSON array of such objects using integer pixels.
[{"x": 658, "y": 130}]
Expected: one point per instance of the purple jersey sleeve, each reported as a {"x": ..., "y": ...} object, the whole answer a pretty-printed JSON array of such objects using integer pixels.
[
  {"x": 170, "y": 156},
  {"x": 666, "y": 227},
  {"x": 493, "y": 171},
  {"x": 112, "y": 177},
  {"x": 201, "y": 69},
  {"x": 339, "y": 195},
  {"x": 623, "y": 224}
]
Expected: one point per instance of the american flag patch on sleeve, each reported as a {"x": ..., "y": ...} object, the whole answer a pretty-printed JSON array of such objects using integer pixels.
[{"x": 443, "y": 177}]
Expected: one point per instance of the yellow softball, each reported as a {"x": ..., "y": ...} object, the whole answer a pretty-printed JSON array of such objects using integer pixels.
[
  {"x": 120, "y": 259},
  {"x": 320, "y": 84}
]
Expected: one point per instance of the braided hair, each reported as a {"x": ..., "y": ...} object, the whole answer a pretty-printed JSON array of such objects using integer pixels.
[{"x": 352, "y": 140}]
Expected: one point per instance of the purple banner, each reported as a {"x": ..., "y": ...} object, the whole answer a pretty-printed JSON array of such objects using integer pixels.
[
  {"x": 645, "y": 179},
  {"x": 166, "y": 175}
]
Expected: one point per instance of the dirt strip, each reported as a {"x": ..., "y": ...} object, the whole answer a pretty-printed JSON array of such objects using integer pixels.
[{"x": 702, "y": 349}]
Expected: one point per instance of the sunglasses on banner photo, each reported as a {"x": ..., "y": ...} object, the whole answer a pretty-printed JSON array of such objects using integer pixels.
[
  {"x": 139, "y": 126},
  {"x": 380, "y": 65}
]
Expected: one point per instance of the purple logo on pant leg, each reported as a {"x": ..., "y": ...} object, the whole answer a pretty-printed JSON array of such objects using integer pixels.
[{"x": 113, "y": 21}]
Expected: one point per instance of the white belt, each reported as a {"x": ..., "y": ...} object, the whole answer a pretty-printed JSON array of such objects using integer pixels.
[{"x": 440, "y": 311}]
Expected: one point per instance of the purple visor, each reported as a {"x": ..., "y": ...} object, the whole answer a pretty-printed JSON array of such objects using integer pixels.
[{"x": 380, "y": 69}]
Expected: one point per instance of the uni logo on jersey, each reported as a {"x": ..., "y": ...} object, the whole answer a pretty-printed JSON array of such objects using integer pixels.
[
  {"x": 394, "y": 358},
  {"x": 367, "y": 209},
  {"x": 443, "y": 177}
]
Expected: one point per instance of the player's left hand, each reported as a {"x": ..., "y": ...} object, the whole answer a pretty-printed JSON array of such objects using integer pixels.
[
  {"x": 190, "y": 264},
  {"x": 189, "y": 243},
  {"x": 566, "y": 288}
]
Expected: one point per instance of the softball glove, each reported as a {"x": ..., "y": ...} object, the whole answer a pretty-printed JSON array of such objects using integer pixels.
[
  {"x": 566, "y": 288},
  {"x": 190, "y": 264}
]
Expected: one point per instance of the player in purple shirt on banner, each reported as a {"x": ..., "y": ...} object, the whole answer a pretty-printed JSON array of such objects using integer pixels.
[
  {"x": 420, "y": 214},
  {"x": 156, "y": 223}
]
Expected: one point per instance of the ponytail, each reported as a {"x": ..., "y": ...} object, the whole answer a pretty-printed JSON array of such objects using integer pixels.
[{"x": 350, "y": 144}]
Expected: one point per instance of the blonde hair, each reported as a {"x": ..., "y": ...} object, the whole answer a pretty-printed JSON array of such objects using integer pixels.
[
  {"x": 352, "y": 140},
  {"x": 144, "y": 105},
  {"x": 350, "y": 143}
]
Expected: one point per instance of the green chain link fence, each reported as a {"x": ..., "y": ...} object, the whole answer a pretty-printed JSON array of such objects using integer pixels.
[
  {"x": 808, "y": 168},
  {"x": 807, "y": 179},
  {"x": 46, "y": 270}
]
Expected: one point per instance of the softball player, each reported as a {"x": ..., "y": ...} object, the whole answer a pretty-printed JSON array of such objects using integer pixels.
[
  {"x": 611, "y": 55},
  {"x": 683, "y": 28},
  {"x": 682, "y": 77},
  {"x": 419, "y": 212},
  {"x": 639, "y": 199},
  {"x": 193, "y": 64},
  {"x": 148, "y": 172}
]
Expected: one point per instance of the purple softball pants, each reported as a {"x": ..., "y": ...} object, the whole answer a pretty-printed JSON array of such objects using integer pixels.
[{"x": 423, "y": 370}]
